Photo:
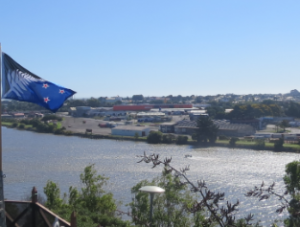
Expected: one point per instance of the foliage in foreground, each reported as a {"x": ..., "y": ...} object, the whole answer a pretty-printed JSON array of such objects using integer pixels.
[
  {"x": 204, "y": 201},
  {"x": 92, "y": 205},
  {"x": 170, "y": 208}
]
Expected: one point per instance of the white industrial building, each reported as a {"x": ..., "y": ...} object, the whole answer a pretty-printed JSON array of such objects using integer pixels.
[{"x": 126, "y": 130}]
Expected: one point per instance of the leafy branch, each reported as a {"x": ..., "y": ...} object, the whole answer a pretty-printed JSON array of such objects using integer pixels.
[{"x": 224, "y": 216}]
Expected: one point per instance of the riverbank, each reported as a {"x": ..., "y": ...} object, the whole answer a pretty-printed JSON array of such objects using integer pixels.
[{"x": 219, "y": 143}]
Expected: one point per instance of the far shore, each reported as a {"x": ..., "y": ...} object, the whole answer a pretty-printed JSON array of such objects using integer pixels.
[{"x": 295, "y": 148}]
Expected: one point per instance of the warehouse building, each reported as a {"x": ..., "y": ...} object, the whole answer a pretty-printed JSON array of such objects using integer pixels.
[
  {"x": 225, "y": 128},
  {"x": 126, "y": 130}
]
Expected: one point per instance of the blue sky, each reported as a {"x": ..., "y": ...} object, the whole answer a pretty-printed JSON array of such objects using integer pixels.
[{"x": 157, "y": 48}]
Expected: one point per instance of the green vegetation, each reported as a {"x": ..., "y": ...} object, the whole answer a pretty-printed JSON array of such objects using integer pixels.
[
  {"x": 170, "y": 208},
  {"x": 136, "y": 136},
  {"x": 92, "y": 204},
  {"x": 154, "y": 137},
  {"x": 168, "y": 138},
  {"x": 206, "y": 132},
  {"x": 181, "y": 140},
  {"x": 51, "y": 117},
  {"x": 278, "y": 145},
  {"x": 233, "y": 141}
]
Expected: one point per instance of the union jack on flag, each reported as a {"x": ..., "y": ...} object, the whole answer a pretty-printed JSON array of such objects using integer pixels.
[{"x": 20, "y": 84}]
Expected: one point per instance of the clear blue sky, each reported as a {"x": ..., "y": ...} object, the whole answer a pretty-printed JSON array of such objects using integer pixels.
[{"x": 156, "y": 48}]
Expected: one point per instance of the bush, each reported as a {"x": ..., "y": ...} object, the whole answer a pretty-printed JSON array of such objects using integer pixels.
[
  {"x": 181, "y": 139},
  {"x": 35, "y": 123},
  {"x": 259, "y": 144},
  {"x": 68, "y": 133},
  {"x": 168, "y": 138},
  {"x": 278, "y": 144},
  {"x": 221, "y": 137},
  {"x": 21, "y": 126},
  {"x": 24, "y": 121},
  {"x": 58, "y": 131},
  {"x": 154, "y": 137},
  {"x": 232, "y": 141},
  {"x": 15, "y": 124},
  {"x": 136, "y": 135}
]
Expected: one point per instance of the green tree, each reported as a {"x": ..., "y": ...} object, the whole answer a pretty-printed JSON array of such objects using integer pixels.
[
  {"x": 233, "y": 141},
  {"x": 52, "y": 192},
  {"x": 154, "y": 137},
  {"x": 136, "y": 135},
  {"x": 284, "y": 124},
  {"x": 93, "y": 206},
  {"x": 51, "y": 117},
  {"x": 137, "y": 98},
  {"x": 278, "y": 145},
  {"x": 169, "y": 208},
  {"x": 206, "y": 130}
]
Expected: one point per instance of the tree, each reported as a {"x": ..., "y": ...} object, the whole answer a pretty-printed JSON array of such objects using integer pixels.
[
  {"x": 278, "y": 145},
  {"x": 93, "y": 102},
  {"x": 233, "y": 141},
  {"x": 137, "y": 98},
  {"x": 52, "y": 192},
  {"x": 92, "y": 205},
  {"x": 136, "y": 135},
  {"x": 284, "y": 124},
  {"x": 206, "y": 130},
  {"x": 170, "y": 208},
  {"x": 154, "y": 137},
  {"x": 203, "y": 200},
  {"x": 51, "y": 117}
]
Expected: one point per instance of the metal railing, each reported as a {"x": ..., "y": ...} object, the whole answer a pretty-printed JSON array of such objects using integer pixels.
[{"x": 33, "y": 214}]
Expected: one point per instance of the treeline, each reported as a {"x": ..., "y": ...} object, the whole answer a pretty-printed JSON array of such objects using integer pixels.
[{"x": 251, "y": 110}]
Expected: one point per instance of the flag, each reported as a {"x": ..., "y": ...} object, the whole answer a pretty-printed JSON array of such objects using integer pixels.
[{"x": 20, "y": 84}]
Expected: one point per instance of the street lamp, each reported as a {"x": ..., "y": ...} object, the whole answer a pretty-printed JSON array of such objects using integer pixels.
[{"x": 152, "y": 190}]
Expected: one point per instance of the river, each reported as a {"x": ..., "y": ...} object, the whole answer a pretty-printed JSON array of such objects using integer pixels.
[{"x": 30, "y": 159}]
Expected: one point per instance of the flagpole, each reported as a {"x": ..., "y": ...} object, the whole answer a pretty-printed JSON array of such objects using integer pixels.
[{"x": 2, "y": 204}]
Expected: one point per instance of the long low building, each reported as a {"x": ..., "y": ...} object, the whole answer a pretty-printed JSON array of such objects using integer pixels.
[
  {"x": 225, "y": 128},
  {"x": 128, "y": 130}
]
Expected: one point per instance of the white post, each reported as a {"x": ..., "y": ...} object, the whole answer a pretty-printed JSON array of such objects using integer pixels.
[{"x": 2, "y": 204}]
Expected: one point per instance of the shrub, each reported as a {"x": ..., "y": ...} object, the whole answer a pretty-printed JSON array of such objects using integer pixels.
[
  {"x": 259, "y": 144},
  {"x": 68, "y": 133},
  {"x": 21, "y": 126},
  {"x": 58, "y": 131},
  {"x": 15, "y": 124},
  {"x": 154, "y": 137},
  {"x": 168, "y": 138},
  {"x": 278, "y": 144},
  {"x": 232, "y": 141},
  {"x": 24, "y": 121},
  {"x": 136, "y": 135},
  {"x": 35, "y": 123},
  {"x": 221, "y": 137},
  {"x": 181, "y": 139}
]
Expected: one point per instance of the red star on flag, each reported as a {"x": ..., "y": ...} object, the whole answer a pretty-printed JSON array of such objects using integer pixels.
[
  {"x": 46, "y": 100},
  {"x": 61, "y": 91},
  {"x": 45, "y": 86}
]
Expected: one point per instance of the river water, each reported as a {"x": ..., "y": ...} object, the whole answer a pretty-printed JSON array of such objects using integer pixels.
[{"x": 30, "y": 159}]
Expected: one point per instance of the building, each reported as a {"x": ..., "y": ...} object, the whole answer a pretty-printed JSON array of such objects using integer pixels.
[
  {"x": 149, "y": 107},
  {"x": 234, "y": 130},
  {"x": 185, "y": 127},
  {"x": 167, "y": 127},
  {"x": 127, "y": 130},
  {"x": 225, "y": 128}
]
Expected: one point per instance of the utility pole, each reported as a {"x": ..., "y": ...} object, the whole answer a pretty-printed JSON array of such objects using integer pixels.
[{"x": 2, "y": 204}]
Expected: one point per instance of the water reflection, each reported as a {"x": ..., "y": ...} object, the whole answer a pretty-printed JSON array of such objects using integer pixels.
[{"x": 30, "y": 159}]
